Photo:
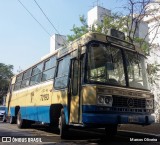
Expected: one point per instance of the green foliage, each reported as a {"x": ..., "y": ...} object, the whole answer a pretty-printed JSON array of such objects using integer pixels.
[
  {"x": 153, "y": 70},
  {"x": 143, "y": 45},
  {"x": 78, "y": 31},
  {"x": 116, "y": 21},
  {"x": 5, "y": 75}
]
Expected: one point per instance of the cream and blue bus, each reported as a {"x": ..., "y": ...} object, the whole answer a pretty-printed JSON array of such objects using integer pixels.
[{"x": 96, "y": 81}]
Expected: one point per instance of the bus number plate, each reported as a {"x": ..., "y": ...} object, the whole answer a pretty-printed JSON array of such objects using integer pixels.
[{"x": 132, "y": 119}]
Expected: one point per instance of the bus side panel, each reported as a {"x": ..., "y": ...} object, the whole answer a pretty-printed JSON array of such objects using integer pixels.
[
  {"x": 18, "y": 99},
  {"x": 43, "y": 114},
  {"x": 35, "y": 102},
  {"x": 39, "y": 101},
  {"x": 89, "y": 95},
  {"x": 36, "y": 113},
  {"x": 12, "y": 111},
  {"x": 60, "y": 97},
  {"x": 89, "y": 100},
  {"x": 31, "y": 113}
]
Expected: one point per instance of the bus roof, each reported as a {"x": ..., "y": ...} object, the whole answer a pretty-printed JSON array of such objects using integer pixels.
[{"x": 83, "y": 40}]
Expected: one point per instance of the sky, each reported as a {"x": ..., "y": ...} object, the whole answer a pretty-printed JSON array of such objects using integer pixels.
[{"x": 23, "y": 42}]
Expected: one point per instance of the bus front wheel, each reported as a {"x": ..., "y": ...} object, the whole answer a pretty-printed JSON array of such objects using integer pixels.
[
  {"x": 111, "y": 130},
  {"x": 20, "y": 121},
  {"x": 62, "y": 125}
]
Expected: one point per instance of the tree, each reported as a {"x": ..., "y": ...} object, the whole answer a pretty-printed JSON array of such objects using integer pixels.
[
  {"x": 113, "y": 21},
  {"x": 78, "y": 31},
  {"x": 136, "y": 11},
  {"x": 5, "y": 75}
]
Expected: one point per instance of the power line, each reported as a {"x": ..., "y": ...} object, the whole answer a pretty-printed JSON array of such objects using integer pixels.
[
  {"x": 49, "y": 20},
  {"x": 34, "y": 18},
  {"x": 37, "y": 20}
]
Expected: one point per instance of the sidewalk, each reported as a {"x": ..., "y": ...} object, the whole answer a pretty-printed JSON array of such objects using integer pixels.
[{"x": 153, "y": 128}]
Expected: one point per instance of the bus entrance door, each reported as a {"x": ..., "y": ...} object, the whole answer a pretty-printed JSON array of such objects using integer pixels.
[{"x": 74, "y": 92}]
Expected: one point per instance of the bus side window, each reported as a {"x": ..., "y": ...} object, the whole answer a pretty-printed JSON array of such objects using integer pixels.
[
  {"x": 36, "y": 74},
  {"x": 17, "y": 85},
  {"x": 61, "y": 79},
  {"x": 26, "y": 78},
  {"x": 49, "y": 69}
]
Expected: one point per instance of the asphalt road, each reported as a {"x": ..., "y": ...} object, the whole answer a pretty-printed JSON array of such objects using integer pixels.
[{"x": 75, "y": 136}]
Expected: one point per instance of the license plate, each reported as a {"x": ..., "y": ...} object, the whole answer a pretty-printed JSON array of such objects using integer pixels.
[{"x": 132, "y": 119}]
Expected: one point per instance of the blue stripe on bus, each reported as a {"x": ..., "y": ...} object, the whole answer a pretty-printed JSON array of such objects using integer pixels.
[
  {"x": 12, "y": 111},
  {"x": 89, "y": 108},
  {"x": 90, "y": 115},
  {"x": 94, "y": 118},
  {"x": 37, "y": 113}
]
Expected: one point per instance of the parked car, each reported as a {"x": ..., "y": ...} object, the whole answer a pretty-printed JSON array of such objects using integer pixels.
[{"x": 2, "y": 111}]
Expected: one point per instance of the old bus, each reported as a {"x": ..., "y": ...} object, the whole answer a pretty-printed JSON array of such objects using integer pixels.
[{"x": 96, "y": 81}]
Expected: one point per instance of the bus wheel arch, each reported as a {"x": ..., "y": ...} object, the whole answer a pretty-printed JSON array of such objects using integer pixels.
[
  {"x": 17, "y": 108},
  {"x": 13, "y": 117},
  {"x": 4, "y": 118},
  {"x": 55, "y": 111}
]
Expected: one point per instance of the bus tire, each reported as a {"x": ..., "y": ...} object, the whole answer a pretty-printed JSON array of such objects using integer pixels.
[
  {"x": 4, "y": 118},
  {"x": 20, "y": 121},
  {"x": 62, "y": 125},
  {"x": 12, "y": 120},
  {"x": 28, "y": 123},
  {"x": 111, "y": 130}
]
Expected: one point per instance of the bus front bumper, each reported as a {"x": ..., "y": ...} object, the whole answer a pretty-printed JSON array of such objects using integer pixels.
[{"x": 102, "y": 119}]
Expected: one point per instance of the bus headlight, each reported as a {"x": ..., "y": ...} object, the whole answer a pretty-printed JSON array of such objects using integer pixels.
[
  {"x": 105, "y": 100},
  {"x": 149, "y": 104}
]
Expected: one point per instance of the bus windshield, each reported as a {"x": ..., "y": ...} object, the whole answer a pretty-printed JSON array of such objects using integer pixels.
[
  {"x": 136, "y": 70},
  {"x": 105, "y": 66}
]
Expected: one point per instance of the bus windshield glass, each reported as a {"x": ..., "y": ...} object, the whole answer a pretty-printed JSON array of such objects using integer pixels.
[
  {"x": 105, "y": 66},
  {"x": 136, "y": 70}
]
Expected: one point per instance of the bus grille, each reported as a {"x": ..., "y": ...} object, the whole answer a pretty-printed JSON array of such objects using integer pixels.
[{"x": 120, "y": 101}]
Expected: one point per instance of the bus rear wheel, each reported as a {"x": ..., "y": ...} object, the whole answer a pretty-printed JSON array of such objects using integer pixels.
[
  {"x": 4, "y": 118},
  {"x": 62, "y": 125},
  {"x": 12, "y": 120},
  {"x": 111, "y": 130},
  {"x": 20, "y": 121}
]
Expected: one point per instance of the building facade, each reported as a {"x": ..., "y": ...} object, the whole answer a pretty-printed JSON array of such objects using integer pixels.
[{"x": 96, "y": 15}]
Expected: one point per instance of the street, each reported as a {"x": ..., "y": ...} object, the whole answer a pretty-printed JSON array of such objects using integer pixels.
[{"x": 132, "y": 135}]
